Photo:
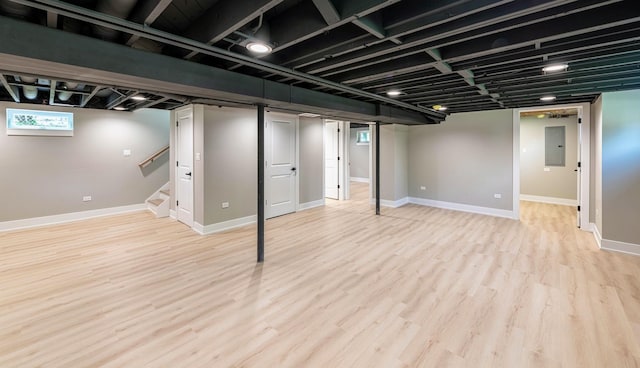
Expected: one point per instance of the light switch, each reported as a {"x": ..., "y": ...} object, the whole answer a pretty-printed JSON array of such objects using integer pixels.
[
  {"x": 225, "y": 204},
  {"x": 126, "y": 153},
  {"x": 547, "y": 169},
  {"x": 198, "y": 156}
]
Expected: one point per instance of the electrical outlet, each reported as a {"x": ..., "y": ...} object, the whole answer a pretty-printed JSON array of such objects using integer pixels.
[
  {"x": 225, "y": 204},
  {"x": 497, "y": 196},
  {"x": 422, "y": 187},
  {"x": 86, "y": 198},
  {"x": 547, "y": 169}
]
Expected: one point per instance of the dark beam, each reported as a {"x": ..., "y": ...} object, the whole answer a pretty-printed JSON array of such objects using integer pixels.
[
  {"x": 261, "y": 164},
  {"x": 582, "y": 22},
  {"x": 146, "y": 12},
  {"x": 52, "y": 19},
  {"x": 86, "y": 98},
  {"x": 328, "y": 11},
  {"x": 224, "y": 17},
  {"x": 13, "y": 91}
]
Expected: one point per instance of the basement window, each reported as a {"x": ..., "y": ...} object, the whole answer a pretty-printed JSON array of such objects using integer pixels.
[
  {"x": 38, "y": 122},
  {"x": 363, "y": 137}
]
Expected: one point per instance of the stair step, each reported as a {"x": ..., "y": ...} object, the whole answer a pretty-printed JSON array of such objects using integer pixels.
[
  {"x": 156, "y": 202},
  {"x": 166, "y": 192}
]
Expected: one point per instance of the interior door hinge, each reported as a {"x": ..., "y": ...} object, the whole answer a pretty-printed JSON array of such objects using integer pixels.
[
  {"x": 580, "y": 121},
  {"x": 578, "y": 208},
  {"x": 177, "y": 123},
  {"x": 338, "y": 158},
  {"x": 579, "y": 164},
  {"x": 177, "y": 203},
  {"x": 177, "y": 164},
  {"x": 338, "y": 186}
]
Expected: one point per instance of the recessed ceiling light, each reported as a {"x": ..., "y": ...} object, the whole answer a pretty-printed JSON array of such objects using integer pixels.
[
  {"x": 119, "y": 108},
  {"x": 555, "y": 68},
  {"x": 394, "y": 93},
  {"x": 547, "y": 98},
  {"x": 309, "y": 115},
  {"x": 259, "y": 47},
  {"x": 439, "y": 107},
  {"x": 541, "y": 116},
  {"x": 138, "y": 98}
]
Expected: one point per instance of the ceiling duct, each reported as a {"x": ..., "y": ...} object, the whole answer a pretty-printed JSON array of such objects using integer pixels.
[
  {"x": 116, "y": 8},
  {"x": 30, "y": 92},
  {"x": 64, "y": 96}
]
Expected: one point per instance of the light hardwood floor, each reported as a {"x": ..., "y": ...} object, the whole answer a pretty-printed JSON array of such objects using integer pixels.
[{"x": 415, "y": 287}]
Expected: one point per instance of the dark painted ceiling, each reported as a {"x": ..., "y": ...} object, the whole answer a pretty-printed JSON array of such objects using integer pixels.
[{"x": 465, "y": 55}]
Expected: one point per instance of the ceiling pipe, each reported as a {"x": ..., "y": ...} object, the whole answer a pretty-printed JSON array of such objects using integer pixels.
[
  {"x": 30, "y": 92},
  {"x": 80, "y": 13},
  {"x": 64, "y": 96}
]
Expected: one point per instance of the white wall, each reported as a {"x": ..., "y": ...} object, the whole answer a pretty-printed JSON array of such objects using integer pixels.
[
  {"x": 45, "y": 176},
  {"x": 556, "y": 182}
]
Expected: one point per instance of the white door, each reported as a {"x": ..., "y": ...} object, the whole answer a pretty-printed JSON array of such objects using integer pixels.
[
  {"x": 184, "y": 172},
  {"x": 281, "y": 170},
  {"x": 331, "y": 154}
]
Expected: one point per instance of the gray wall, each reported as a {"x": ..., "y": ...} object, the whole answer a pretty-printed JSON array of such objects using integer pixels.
[
  {"x": 559, "y": 182},
  {"x": 621, "y": 166},
  {"x": 466, "y": 159},
  {"x": 393, "y": 162},
  {"x": 311, "y": 163},
  {"x": 401, "y": 161},
  {"x": 358, "y": 156},
  {"x": 230, "y": 169},
  {"x": 45, "y": 176}
]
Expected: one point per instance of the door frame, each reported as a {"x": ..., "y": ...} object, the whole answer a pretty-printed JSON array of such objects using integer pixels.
[
  {"x": 344, "y": 131},
  {"x": 584, "y": 142},
  {"x": 268, "y": 117},
  {"x": 181, "y": 113}
]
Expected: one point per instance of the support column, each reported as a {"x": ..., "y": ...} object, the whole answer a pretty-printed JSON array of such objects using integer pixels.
[
  {"x": 260, "y": 183},
  {"x": 377, "y": 168}
]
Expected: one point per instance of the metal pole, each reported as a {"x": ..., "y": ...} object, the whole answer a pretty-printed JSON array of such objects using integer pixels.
[
  {"x": 377, "y": 168},
  {"x": 260, "y": 183}
]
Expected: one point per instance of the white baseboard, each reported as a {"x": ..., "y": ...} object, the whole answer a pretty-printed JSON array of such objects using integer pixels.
[
  {"x": 622, "y": 247},
  {"x": 309, "y": 205},
  {"x": 550, "y": 200},
  {"x": 596, "y": 234},
  {"x": 463, "y": 207},
  {"x": 223, "y": 226},
  {"x": 69, "y": 217},
  {"x": 359, "y": 180},
  {"x": 173, "y": 214},
  {"x": 393, "y": 204}
]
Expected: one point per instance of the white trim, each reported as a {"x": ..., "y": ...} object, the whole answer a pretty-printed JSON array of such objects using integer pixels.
[
  {"x": 463, "y": 207},
  {"x": 310, "y": 205},
  {"x": 622, "y": 247},
  {"x": 69, "y": 217},
  {"x": 224, "y": 226},
  {"x": 596, "y": 234},
  {"x": 516, "y": 164},
  {"x": 550, "y": 200},
  {"x": 173, "y": 214},
  {"x": 393, "y": 204},
  {"x": 359, "y": 180}
]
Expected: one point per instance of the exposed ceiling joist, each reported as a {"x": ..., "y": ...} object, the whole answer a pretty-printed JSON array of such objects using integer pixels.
[
  {"x": 328, "y": 11},
  {"x": 12, "y": 90},
  {"x": 146, "y": 13}
]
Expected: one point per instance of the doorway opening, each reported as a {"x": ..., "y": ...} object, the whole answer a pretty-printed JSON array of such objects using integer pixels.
[{"x": 551, "y": 158}]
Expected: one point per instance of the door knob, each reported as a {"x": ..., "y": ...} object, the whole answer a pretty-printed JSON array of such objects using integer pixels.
[
  {"x": 188, "y": 174},
  {"x": 293, "y": 169}
]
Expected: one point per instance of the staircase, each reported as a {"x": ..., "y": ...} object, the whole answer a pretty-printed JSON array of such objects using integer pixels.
[{"x": 158, "y": 203}]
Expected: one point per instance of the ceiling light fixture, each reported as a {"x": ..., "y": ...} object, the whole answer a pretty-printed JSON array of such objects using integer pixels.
[
  {"x": 555, "y": 68},
  {"x": 139, "y": 98},
  {"x": 439, "y": 107},
  {"x": 541, "y": 116},
  {"x": 547, "y": 98},
  {"x": 394, "y": 93},
  {"x": 119, "y": 108},
  {"x": 259, "y": 47}
]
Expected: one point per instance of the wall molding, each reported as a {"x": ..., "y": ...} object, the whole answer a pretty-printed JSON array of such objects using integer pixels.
[
  {"x": 359, "y": 180},
  {"x": 393, "y": 204},
  {"x": 310, "y": 205},
  {"x": 622, "y": 247},
  {"x": 69, "y": 217},
  {"x": 224, "y": 226},
  {"x": 464, "y": 208},
  {"x": 596, "y": 234},
  {"x": 173, "y": 214},
  {"x": 550, "y": 200}
]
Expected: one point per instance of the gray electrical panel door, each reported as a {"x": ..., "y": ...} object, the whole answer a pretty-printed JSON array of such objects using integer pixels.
[{"x": 554, "y": 146}]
